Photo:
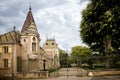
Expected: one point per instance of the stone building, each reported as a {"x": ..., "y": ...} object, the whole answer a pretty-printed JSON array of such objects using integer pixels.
[
  {"x": 20, "y": 50},
  {"x": 10, "y": 53},
  {"x": 51, "y": 48}
]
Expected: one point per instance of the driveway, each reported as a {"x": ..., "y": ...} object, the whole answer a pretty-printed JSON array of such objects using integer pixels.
[{"x": 82, "y": 78}]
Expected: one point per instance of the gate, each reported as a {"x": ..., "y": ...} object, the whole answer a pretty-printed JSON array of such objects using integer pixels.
[{"x": 71, "y": 69}]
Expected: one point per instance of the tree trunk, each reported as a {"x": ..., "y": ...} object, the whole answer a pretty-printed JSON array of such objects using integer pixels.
[
  {"x": 107, "y": 51},
  {"x": 107, "y": 63}
]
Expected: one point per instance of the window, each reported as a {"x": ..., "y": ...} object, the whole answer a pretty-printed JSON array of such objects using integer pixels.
[
  {"x": 52, "y": 43},
  {"x": 19, "y": 64},
  {"x": 24, "y": 40},
  {"x": 5, "y": 49},
  {"x": 0, "y": 63},
  {"x": 33, "y": 38},
  {"x": 46, "y": 43},
  {"x": 5, "y": 63},
  {"x": 34, "y": 47},
  {"x": 0, "y": 50}
]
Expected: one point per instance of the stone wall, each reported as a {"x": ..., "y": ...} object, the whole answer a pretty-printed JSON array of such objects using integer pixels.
[
  {"x": 41, "y": 74},
  {"x": 103, "y": 73}
]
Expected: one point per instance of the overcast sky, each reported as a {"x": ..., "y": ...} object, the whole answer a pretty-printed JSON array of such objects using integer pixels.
[{"x": 54, "y": 18}]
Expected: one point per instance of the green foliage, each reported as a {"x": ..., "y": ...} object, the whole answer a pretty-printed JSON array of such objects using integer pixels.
[
  {"x": 64, "y": 59},
  {"x": 78, "y": 52},
  {"x": 101, "y": 20},
  {"x": 100, "y": 27},
  {"x": 52, "y": 69}
]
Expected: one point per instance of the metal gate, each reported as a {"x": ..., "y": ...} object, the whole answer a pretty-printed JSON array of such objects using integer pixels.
[{"x": 71, "y": 69}]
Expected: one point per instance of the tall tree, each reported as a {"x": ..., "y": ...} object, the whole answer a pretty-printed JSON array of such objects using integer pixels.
[
  {"x": 100, "y": 25},
  {"x": 64, "y": 59},
  {"x": 78, "y": 53}
]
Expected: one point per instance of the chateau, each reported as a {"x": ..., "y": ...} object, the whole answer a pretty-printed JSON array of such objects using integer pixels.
[{"x": 20, "y": 50}]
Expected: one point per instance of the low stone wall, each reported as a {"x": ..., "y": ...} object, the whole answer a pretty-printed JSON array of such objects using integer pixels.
[
  {"x": 5, "y": 72},
  {"x": 102, "y": 73},
  {"x": 41, "y": 74}
]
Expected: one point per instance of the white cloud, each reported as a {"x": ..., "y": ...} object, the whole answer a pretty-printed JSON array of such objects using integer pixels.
[
  {"x": 63, "y": 22},
  {"x": 59, "y": 18}
]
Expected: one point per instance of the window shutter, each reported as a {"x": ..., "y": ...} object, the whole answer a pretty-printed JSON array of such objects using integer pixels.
[
  {"x": 9, "y": 63},
  {"x": 0, "y": 63},
  {"x": 0, "y": 49},
  {"x": 10, "y": 50}
]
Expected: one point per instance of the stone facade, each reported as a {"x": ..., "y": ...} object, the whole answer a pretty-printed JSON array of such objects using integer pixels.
[
  {"x": 20, "y": 52},
  {"x": 51, "y": 48}
]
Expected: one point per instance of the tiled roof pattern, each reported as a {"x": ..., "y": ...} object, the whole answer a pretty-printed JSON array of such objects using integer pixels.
[
  {"x": 28, "y": 22},
  {"x": 10, "y": 37}
]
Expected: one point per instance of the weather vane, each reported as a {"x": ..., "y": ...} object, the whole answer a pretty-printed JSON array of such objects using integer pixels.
[{"x": 30, "y": 5}]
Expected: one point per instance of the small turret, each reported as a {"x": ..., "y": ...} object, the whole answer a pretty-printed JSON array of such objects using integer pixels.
[{"x": 29, "y": 25}]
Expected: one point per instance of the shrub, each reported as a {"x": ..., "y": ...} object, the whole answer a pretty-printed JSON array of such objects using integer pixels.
[{"x": 52, "y": 69}]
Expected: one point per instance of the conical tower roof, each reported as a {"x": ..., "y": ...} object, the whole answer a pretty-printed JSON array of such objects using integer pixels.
[{"x": 29, "y": 25}]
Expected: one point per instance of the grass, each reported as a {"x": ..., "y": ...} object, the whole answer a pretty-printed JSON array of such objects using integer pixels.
[{"x": 100, "y": 68}]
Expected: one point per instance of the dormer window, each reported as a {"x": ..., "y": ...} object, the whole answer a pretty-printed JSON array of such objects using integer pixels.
[
  {"x": 46, "y": 43},
  {"x": 52, "y": 43},
  {"x": 33, "y": 38}
]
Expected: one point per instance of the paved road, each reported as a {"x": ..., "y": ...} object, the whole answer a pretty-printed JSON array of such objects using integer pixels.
[
  {"x": 83, "y": 78},
  {"x": 72, "y": 74}
]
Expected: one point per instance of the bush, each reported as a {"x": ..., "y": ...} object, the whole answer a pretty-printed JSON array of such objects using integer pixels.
[{"x": 52, "y": 69}]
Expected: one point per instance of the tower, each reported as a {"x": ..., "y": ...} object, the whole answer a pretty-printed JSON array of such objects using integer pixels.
[
  {"x": 29, "y": 37},
  {"x": 51, "y": 48}
]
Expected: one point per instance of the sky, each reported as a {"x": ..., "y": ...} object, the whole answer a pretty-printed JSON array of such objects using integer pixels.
[{"x": 59, "y": 19}]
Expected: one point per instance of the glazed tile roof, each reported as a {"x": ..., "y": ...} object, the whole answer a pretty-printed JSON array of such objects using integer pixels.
[
  {"x": 10, "y": 37},
  {"x": 29, "y": 23}
]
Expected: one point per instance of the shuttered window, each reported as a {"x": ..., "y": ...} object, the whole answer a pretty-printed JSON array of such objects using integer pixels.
[
  {"x": 5, "y": 49},
  {"x": 5, "y": 63}
]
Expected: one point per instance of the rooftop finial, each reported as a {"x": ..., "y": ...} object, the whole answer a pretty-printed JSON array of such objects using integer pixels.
[
  {"x": 14, "y": 28},
  {"x": 30, "y": 5}
]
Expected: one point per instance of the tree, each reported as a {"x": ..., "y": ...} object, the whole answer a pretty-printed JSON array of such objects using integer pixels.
[
  {"x": 79, "y": 53},
  {"x": 100, "y": 26},
  {"x": 64, "y": 59}
]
